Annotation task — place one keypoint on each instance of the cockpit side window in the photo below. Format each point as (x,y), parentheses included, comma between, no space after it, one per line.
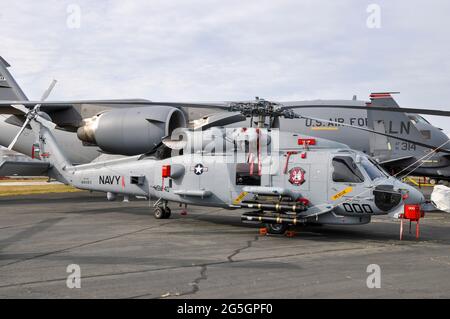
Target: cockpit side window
(346,171)
(372,169)
(426,134)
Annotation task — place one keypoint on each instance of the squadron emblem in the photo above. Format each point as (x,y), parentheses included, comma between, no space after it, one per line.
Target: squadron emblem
(296,176)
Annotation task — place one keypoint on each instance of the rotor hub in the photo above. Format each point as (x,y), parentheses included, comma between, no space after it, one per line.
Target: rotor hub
(261,109)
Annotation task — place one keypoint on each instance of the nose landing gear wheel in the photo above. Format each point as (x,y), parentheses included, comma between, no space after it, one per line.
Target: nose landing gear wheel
(277,229)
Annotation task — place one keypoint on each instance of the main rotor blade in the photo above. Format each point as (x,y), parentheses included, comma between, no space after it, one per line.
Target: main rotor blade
(222,106)
(374,108)
(13,142)
(219,119)
(226,105)
(375,132)
(30,104)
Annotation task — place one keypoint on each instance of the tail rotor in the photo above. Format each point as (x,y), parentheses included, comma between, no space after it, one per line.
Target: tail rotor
(33,113)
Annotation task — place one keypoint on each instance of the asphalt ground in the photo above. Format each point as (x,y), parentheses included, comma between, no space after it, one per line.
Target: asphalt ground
(123,252)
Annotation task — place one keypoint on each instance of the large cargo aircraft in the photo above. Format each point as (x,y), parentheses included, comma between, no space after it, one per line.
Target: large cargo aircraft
(91,129)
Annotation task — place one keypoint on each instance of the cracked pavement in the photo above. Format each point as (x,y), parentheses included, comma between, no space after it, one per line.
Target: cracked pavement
(124,252)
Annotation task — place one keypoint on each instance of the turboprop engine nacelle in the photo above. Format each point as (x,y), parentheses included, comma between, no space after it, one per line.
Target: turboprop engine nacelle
(131,131)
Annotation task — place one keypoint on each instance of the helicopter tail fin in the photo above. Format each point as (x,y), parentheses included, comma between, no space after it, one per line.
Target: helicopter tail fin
(48,150)
(9,89)
(398,124)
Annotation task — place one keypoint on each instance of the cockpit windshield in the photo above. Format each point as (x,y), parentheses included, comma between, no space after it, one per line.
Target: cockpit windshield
(417,119)
(372,169)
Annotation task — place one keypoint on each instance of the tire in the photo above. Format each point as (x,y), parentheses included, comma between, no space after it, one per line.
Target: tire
(433,181)
(167,213)
(276,229)
(159,212)
(314,224)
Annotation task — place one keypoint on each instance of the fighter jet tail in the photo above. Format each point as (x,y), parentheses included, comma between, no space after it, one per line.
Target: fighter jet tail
(9,89)
(382,147)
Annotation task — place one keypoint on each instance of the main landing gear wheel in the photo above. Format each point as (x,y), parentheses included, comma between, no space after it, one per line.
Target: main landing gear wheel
(158,212)
(161,212)
(277,229)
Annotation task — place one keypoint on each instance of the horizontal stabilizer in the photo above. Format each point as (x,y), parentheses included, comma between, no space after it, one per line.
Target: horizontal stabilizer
(23,168)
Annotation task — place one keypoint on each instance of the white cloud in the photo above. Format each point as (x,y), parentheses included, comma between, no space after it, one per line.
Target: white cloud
(224,50)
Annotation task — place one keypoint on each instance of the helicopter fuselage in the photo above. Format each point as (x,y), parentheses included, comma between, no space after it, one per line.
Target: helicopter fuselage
(315,183)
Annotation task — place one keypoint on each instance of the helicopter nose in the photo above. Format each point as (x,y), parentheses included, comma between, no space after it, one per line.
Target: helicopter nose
(387,196)
(414,195)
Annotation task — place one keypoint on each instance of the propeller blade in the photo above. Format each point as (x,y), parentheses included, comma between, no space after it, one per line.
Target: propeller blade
(375,132)
(374,108)
(42,120)
(35,111)
(48,91)
(21,108)
(13,142)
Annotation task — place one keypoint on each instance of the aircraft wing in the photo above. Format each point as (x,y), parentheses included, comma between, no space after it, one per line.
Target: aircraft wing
(23,168)
(397,160)
(55,106)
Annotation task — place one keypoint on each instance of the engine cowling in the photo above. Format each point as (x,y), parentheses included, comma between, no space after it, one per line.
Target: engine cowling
(131,131)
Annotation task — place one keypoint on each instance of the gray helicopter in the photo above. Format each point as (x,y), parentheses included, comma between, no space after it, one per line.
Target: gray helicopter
(274,177)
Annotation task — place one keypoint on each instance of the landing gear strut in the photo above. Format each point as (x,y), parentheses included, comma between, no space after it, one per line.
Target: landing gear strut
(161,210)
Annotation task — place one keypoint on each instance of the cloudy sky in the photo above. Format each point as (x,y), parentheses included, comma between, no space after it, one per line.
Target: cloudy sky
(229,50)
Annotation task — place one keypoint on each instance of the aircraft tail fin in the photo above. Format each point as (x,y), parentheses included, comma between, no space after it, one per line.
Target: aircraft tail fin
(48,149)
(9,89)
(383,99)
(398,124)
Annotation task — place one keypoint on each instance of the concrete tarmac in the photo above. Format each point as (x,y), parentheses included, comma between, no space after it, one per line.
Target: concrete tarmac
(123,252)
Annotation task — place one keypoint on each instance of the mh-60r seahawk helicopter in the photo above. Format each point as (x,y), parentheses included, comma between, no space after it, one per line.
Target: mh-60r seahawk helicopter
(278,178)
